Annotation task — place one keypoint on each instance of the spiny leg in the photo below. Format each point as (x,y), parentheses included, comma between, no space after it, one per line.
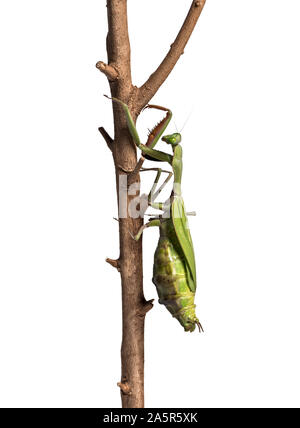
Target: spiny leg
(157,107)
(157,131)
(130,122)
(156,154)
(153,136)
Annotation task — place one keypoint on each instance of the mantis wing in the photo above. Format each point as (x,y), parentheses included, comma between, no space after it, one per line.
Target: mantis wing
(184,237)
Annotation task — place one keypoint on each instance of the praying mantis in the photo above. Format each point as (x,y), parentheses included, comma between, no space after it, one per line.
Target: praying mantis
(174,268)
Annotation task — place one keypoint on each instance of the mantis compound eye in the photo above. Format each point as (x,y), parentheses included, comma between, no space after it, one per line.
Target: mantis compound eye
(172,139)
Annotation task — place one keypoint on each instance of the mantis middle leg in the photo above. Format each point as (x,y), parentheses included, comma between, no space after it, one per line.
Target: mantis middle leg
(153,194)
(151,223)
(157,205)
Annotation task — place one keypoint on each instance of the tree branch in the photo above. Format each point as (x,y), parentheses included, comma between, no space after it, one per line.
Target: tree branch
(124,387)
(107,138)
(132,176)
(109,70)
(148,305)
(114,263)
(150,87)
(118,46)
(130,260)
(118,71)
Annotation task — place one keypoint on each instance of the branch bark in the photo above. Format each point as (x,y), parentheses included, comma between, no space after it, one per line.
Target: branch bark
(130,259)
(108,69)
(129,263)
(107,138)
(114,263)
(151,86)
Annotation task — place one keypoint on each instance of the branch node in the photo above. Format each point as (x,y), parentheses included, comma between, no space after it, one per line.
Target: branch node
(114,263)
(148,305)
(109,70)
(135,171)
(124,387)
(107,138)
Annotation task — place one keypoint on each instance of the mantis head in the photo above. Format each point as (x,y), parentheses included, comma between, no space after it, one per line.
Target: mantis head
(173,139)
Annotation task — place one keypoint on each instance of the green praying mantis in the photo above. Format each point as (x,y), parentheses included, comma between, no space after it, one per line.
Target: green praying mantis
(174,268)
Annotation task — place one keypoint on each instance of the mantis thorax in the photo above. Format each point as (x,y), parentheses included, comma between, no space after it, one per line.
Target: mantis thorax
(177,168)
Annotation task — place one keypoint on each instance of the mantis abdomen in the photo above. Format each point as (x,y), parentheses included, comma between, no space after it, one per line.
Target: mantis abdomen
(171,278)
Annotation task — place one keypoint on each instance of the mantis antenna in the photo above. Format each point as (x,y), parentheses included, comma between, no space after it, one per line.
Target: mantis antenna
(175,123)
(187,119)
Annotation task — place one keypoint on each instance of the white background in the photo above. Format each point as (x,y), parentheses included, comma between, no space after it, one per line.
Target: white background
(60,309)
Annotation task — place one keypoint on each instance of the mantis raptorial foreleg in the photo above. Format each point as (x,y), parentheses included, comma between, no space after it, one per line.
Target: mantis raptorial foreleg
(153,138)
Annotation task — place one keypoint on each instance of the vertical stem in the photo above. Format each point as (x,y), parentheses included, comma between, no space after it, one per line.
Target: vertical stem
(132,351)
(131,269)
(118,71)
(130,261)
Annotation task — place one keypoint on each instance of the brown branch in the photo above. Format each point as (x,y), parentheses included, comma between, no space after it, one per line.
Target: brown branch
(132,349)
(118,71)
(118,46)
(114,263)
(109,70)
(148,305)
(124,387)
(150,87)
(133,174)
(107,138)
